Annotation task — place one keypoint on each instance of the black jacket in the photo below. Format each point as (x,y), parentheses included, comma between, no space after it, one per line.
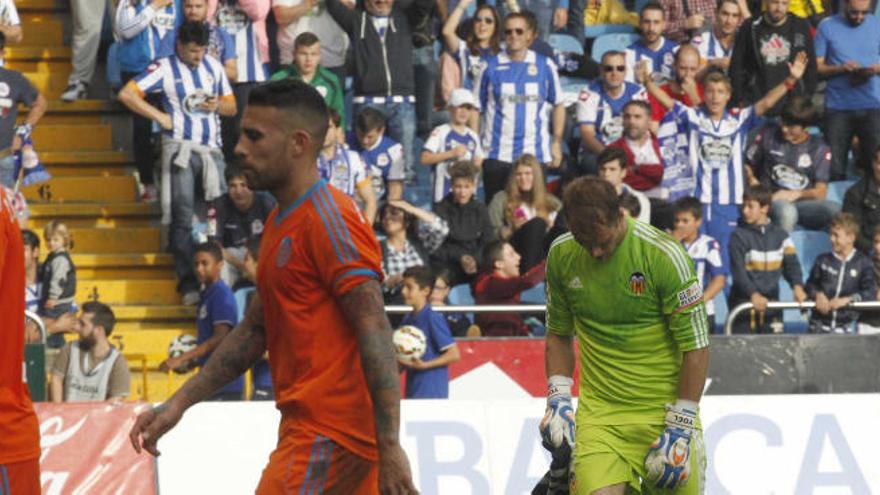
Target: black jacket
(853,278)
(381,67)
(58,272)
(863,201)
(759,255)
(470,230)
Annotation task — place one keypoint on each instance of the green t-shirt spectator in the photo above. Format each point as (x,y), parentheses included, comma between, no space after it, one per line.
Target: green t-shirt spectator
(324,81)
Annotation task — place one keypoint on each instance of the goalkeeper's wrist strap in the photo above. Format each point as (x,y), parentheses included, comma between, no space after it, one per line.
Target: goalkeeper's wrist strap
(683,414)
(559,386)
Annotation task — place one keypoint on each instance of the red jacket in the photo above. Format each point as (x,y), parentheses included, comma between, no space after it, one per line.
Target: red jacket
(640,176)
(491,288)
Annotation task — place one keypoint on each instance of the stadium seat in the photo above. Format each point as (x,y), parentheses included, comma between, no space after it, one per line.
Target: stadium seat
(720,302)
(793,320)
(241,298)
(610,42)
(460,295)
(566,43)
(837,189)
(597,30)
(114,71)
(809,244)
(535,295)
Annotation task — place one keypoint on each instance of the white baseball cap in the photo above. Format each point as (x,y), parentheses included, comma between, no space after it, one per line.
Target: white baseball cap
(461,97)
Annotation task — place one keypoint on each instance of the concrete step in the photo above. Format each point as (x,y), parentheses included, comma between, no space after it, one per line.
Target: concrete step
(153,344)
(131,292)
(94,214)
(77,112)
(73,137)
(42,6)
(62,189)
(115,240)
(50,84)
(137,266)
(38,58)
(94,163)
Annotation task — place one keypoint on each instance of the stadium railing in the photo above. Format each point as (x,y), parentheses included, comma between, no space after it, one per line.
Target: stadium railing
(486,308)
(30,315)
(728,324)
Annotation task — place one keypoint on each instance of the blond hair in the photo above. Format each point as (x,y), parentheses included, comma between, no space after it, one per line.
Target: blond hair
(54,228)
(537,198)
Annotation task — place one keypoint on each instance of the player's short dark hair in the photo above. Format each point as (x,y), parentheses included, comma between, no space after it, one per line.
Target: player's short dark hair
(233,171)
(463,169)
(421,275)
(307,38)
(102,315)
(193,32)
(759,193)
(302,103)
(211,247)
(334,117)
(631,204)
(494,251)
(731,2)
(798,110)
(29,238)
(590,200)
(610,154)
(253,247)
(652,5)
(369,119)
(527,16)
(644,105)
(690,204)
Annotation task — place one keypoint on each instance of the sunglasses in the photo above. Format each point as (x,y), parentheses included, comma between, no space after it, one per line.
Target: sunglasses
(612,68)
(516,31)
(484,20)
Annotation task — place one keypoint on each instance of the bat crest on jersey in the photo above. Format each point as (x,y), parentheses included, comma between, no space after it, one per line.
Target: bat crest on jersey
(284,251)
(637,283)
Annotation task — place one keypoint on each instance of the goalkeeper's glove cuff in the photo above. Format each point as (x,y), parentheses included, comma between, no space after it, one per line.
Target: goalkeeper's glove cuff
(24,131)
(682,416)
(559,386)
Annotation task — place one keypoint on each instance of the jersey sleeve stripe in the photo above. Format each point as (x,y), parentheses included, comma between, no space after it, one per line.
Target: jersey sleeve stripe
(329,232)
(325,467)
(315,445)
(321,204)
(347,244)
(674,250)
(700,324)
(670,253)
(355,272)
(559,240)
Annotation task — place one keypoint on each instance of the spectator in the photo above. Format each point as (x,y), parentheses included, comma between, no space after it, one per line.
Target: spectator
(295,17)
(838,278)
(470,229)
(424,25)
(58,280)
(141,26)
(596,12)
(239,216)
(458,323)
(18,91)
(427,377)
(550,15)
(382,47)
(502,284)
(452,142)
(716,46)
(848,55)
(260,374)
(483,41)
(612,168)
(600,109)
(383,156)
(703,250)
(524,211)
(863,201)
(33,288)
(684,87)
(344,169)
(413,234)
(91,369)
(658,51)
(811,10)
(519,82)
(715,138)
(869,321)
(795,166)
(220,43)
(191,141)
(10,23)
(761,253)
(644,168)
(307,67)
(764,48)
(88,22)
(630,206)
(688,20)
(217,316)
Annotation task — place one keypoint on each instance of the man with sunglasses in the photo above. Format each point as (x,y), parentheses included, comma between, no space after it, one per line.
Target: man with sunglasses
(848,54)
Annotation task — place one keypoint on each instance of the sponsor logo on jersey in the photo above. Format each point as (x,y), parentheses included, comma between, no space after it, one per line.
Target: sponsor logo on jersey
(690,295)
(284,251)
(533,70)
(637,283)
(203,312)
(575,283)
(257,227)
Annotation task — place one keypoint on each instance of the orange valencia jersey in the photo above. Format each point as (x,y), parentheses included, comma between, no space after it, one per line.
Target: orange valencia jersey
(312,254)
(19,430)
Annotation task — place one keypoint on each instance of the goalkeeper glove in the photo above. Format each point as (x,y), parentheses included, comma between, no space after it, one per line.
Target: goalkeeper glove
(558,423)
(668,460)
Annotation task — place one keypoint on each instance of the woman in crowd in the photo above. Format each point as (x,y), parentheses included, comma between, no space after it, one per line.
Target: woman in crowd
(483,41)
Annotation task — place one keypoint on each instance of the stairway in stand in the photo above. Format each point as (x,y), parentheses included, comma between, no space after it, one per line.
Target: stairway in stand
(117,251)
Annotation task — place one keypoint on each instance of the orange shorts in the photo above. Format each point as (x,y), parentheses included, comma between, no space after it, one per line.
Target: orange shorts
(20,478)
(312,463)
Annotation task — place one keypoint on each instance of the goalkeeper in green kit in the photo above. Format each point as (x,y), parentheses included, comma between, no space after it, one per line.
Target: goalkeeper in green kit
(630,295)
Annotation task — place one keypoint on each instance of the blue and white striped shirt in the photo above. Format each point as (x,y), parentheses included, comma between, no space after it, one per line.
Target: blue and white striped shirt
(706,253)
(183,88)
(596,108)
(710,48)
(236,22)
(518,98)
(660,62)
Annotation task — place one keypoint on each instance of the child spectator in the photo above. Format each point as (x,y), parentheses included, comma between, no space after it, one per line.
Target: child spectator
(454,141)
(469,226)
(629,206)
(427,377)
(458,323)
(217,315)
(344,169)
(612,168)
(760,253)
(837,278)
(703,249)
(502,284)
(260,374)
(307,67)
(58,289)
(869,321)
(382,155)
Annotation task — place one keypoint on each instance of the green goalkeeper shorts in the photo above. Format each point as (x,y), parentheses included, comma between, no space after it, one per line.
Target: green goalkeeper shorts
(609,455)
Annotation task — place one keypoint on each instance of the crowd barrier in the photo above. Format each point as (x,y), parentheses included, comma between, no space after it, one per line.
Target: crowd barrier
(799,444)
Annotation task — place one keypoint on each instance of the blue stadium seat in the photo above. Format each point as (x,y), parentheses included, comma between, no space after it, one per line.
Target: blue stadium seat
(610,42)
(809,245)
(535,295)
(720,302)
(597,30)
(791,318)
(837,189)
(460,295)
(114,70)
(241,298)
(566,43)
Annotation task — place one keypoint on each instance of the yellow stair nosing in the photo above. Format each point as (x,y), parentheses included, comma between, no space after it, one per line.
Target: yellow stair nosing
(85,157)
(32,52)
(101,210)
(154,312)
(113,260)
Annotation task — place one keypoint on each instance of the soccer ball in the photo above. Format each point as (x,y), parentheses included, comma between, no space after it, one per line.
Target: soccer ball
(179,345)
(410,343)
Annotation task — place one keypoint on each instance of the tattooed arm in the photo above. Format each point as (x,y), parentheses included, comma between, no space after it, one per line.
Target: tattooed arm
(241,348)
(365,312)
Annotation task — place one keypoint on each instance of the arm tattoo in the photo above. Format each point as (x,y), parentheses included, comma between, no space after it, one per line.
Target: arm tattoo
(365,311)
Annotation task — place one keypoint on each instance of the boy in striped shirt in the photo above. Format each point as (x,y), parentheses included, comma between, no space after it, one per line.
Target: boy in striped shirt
(703,250)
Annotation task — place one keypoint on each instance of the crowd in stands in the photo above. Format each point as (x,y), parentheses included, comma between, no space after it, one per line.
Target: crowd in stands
(723,123)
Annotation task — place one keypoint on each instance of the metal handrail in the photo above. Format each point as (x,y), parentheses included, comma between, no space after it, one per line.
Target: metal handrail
(40,324)
(487,308)
(728,324)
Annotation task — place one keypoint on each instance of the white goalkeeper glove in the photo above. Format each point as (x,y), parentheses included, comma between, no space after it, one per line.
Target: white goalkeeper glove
(668,459)
(558,423)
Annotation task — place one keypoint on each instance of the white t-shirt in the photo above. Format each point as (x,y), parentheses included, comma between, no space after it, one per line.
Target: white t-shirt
(8,13)
(334,41)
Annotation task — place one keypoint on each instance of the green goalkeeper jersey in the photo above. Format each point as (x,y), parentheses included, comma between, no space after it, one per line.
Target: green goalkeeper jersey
(634,315)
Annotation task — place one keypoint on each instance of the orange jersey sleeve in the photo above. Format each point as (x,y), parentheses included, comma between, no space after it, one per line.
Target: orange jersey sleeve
(19,431)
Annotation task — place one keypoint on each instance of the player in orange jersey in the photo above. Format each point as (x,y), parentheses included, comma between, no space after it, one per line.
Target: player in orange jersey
(19,430)
(319,313)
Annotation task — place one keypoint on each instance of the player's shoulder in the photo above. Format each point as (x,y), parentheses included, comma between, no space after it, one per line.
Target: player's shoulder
(563,246)
(660,249)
